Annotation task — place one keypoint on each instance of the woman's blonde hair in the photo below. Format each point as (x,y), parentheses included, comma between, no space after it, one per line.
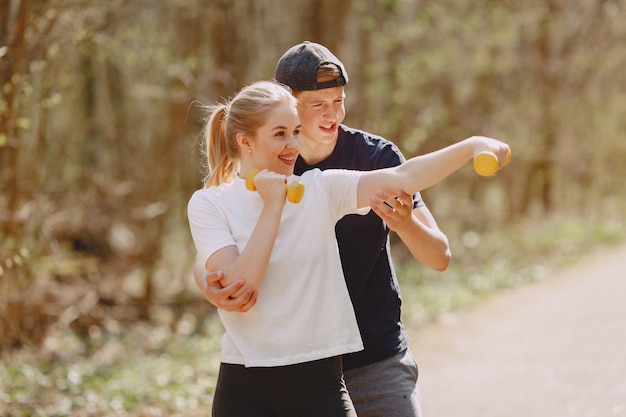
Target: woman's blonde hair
(245,113)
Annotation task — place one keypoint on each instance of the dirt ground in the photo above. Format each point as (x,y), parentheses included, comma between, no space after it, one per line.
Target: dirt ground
(555,348)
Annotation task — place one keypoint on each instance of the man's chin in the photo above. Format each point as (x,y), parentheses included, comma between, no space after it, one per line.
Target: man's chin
(328,135)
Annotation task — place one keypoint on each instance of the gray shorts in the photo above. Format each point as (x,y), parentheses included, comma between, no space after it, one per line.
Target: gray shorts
(386,388)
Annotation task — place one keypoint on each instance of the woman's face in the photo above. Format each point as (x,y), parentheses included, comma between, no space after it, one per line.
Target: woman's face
(277,144)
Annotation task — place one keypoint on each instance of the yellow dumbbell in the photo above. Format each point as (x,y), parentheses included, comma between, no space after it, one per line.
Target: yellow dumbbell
(295,189)
(486,163)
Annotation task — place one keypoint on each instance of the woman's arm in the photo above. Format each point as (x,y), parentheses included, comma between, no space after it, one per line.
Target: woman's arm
(421,172)
(238,296)
(251,264)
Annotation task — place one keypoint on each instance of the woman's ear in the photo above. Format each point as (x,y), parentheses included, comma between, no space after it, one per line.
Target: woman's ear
(244,142)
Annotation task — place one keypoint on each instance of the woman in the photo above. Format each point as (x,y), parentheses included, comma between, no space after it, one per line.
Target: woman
(283,356)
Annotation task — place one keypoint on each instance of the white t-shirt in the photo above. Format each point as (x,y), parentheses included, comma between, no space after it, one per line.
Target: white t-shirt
(303,311)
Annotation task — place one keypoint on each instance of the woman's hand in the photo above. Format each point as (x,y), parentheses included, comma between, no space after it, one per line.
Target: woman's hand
(500,149)
(234,297)
(271,187)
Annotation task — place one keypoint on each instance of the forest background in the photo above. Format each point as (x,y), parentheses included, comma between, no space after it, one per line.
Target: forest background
(100,120)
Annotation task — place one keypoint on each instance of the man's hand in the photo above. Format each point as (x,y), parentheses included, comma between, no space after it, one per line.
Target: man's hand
(394,211)
(417,228)
(235,297)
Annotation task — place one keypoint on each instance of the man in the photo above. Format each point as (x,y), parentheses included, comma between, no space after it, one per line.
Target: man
(381,379)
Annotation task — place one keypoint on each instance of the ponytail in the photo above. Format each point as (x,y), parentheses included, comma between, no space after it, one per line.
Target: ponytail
(222,162)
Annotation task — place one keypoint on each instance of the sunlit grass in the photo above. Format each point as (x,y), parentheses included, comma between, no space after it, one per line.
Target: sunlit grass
(484,263)
(140,369)
(122,375)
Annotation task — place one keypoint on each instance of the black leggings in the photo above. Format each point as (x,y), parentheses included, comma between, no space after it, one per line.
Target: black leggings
(310,389)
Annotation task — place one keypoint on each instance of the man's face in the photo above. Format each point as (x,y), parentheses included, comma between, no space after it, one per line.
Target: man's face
(321,112)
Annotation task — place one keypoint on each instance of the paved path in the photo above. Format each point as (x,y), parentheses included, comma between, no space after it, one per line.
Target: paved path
(555,348)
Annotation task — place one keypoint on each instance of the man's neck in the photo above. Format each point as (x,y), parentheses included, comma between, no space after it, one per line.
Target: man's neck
(313,152)
(316,153)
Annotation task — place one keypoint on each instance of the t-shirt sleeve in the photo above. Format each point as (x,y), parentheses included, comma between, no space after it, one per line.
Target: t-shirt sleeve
(208,225)
(341,186)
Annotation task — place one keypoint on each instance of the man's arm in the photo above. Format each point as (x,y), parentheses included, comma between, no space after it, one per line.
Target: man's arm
(416,228)
(224,297)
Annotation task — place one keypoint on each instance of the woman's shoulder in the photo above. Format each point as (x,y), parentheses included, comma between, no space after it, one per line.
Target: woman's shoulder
(329,180)
(214,193)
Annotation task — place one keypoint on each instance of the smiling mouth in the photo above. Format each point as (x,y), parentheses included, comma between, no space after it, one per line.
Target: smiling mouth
(328,127)
(288,159)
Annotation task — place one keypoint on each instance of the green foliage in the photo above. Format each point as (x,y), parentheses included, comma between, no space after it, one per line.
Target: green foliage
(99,153)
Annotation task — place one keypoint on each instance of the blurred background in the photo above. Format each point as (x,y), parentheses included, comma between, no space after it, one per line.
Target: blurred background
(100,120)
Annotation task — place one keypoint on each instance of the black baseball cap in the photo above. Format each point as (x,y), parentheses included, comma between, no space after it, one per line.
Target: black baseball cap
(297,68)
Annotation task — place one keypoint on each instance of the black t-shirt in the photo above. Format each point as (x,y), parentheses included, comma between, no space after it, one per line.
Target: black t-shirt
(364,249)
